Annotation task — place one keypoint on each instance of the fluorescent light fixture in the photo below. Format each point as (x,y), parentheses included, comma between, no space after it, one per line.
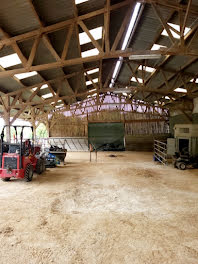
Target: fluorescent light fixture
(180,90)
(133,79)
(131,25)
(177,27)
(96,33)
(10,60)
(146,68)
(192,80)
(77,2)
(25,75)
(157,47)
(126,40)
(42,87)
(145,57)
(121,90)
(94,94)
(167,97)
(118,64)
(94,80)
(125,94)
(91,52)
(92,71)
(45,96)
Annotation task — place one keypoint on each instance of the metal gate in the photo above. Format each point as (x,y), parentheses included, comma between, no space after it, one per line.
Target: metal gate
(69,143)
(160,151)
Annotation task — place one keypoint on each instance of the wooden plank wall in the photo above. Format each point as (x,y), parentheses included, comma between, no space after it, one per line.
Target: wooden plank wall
(140,129)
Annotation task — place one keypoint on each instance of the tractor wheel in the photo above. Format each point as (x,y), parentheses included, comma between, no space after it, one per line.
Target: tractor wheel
(182,166)
(39,166)
(43,164)
(28,173)
(5,179)
(175,164)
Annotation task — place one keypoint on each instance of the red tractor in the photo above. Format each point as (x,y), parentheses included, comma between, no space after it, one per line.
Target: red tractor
(21,158)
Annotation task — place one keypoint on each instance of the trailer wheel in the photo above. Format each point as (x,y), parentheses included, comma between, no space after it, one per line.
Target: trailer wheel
(43,166)
(175,164)
(5,179)
(28,173)
(182,166)
(39,166)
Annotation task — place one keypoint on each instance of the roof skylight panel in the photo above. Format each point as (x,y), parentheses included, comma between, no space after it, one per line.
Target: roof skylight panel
(44,86)
(77,2)
(180,90)
(177,27)
(157,47)
(196,80)
(96,33)
(10,60)
(90,82)
(92,71)
(24,75)
(133,79)
(146,68)
(89,53)
(46,96)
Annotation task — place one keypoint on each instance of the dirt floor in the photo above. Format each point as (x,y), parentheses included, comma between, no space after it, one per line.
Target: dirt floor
(124,209)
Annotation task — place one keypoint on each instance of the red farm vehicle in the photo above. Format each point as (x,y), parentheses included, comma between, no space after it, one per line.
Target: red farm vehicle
(21,158)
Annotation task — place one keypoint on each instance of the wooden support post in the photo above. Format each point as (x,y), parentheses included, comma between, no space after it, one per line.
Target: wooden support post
(34,128)
(6,118)
(47,124)
(33,121)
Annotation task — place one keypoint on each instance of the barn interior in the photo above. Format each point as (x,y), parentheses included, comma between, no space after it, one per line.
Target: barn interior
(112,87)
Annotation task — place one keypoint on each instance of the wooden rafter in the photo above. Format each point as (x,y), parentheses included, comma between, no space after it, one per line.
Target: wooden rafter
(60,25)
(186,17)
(33,52)
(86,30)
(23,59)
(24,106)
(67,42)
(122,28)
(107,25)
(186,37)
(84,94)
(163,22)
(93,83)
(110,55)
(173,5)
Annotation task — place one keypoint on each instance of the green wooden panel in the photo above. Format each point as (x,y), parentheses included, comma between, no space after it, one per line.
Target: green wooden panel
(106,136)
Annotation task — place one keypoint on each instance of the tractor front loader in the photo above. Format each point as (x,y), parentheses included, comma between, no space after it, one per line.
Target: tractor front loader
(21,158)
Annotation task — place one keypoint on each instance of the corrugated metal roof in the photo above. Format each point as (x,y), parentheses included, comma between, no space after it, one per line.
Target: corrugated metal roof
(17,17)
(9,84)
(51,11)
(90,6)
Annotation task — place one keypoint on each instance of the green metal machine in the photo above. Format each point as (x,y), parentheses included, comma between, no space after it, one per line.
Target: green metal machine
(184,146)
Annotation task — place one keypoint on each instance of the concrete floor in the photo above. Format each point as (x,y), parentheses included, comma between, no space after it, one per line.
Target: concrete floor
(123,209)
